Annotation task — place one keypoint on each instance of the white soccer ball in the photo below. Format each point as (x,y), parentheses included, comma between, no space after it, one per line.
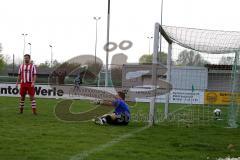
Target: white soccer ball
(97,102)
(217,112)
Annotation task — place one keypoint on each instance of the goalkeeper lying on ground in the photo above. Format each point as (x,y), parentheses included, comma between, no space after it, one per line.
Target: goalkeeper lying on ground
(121,114)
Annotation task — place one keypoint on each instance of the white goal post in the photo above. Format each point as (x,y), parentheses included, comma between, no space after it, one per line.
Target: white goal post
(156,45)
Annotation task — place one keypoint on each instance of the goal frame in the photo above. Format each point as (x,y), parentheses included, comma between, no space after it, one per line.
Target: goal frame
(159,32)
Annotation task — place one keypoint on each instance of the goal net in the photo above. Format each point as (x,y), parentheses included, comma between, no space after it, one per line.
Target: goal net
(203,69)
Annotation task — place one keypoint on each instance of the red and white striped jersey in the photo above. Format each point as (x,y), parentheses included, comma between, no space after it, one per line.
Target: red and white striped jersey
(27,71)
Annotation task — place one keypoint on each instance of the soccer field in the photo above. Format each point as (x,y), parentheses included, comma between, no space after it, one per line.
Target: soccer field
(43,137)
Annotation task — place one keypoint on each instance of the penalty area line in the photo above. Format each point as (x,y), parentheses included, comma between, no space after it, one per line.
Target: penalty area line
(99,148)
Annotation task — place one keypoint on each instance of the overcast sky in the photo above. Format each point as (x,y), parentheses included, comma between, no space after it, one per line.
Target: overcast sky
(69,26)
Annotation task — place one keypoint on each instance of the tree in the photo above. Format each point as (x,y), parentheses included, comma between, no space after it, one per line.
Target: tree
(226,60)
(190,58)
(2,62)
(94,68)
(0,47)
(147,58)
(56,64)
(116,76)
(46,64)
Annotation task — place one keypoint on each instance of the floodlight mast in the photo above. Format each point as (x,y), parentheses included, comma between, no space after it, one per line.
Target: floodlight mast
(160,51)
(108,37)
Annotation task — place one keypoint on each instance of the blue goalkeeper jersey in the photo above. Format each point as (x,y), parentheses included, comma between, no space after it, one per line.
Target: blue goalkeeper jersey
(121,107)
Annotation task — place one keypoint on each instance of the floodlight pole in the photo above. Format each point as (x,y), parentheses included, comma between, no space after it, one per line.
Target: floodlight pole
(13,66)
(96,38)
(30,48)
(160,41)
(149,44)
(51,63)
(24,42)
(107,51)
(161,12)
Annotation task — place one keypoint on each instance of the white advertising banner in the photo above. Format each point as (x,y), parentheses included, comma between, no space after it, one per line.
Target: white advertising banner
(181,97)
(45,91)
(41,91)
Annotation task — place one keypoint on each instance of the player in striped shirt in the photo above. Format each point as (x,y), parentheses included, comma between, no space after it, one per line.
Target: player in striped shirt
(27,77)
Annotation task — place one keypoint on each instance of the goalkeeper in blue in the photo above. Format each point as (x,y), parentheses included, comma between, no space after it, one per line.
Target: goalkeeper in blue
(121,114)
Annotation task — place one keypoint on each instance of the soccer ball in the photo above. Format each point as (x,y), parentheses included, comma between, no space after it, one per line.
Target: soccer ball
(217,113)
(97,102)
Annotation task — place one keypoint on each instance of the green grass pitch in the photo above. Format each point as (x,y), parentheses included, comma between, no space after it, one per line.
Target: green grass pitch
(190,134)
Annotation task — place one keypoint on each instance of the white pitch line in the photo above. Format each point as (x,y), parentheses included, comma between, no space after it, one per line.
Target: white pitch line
(85,154)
